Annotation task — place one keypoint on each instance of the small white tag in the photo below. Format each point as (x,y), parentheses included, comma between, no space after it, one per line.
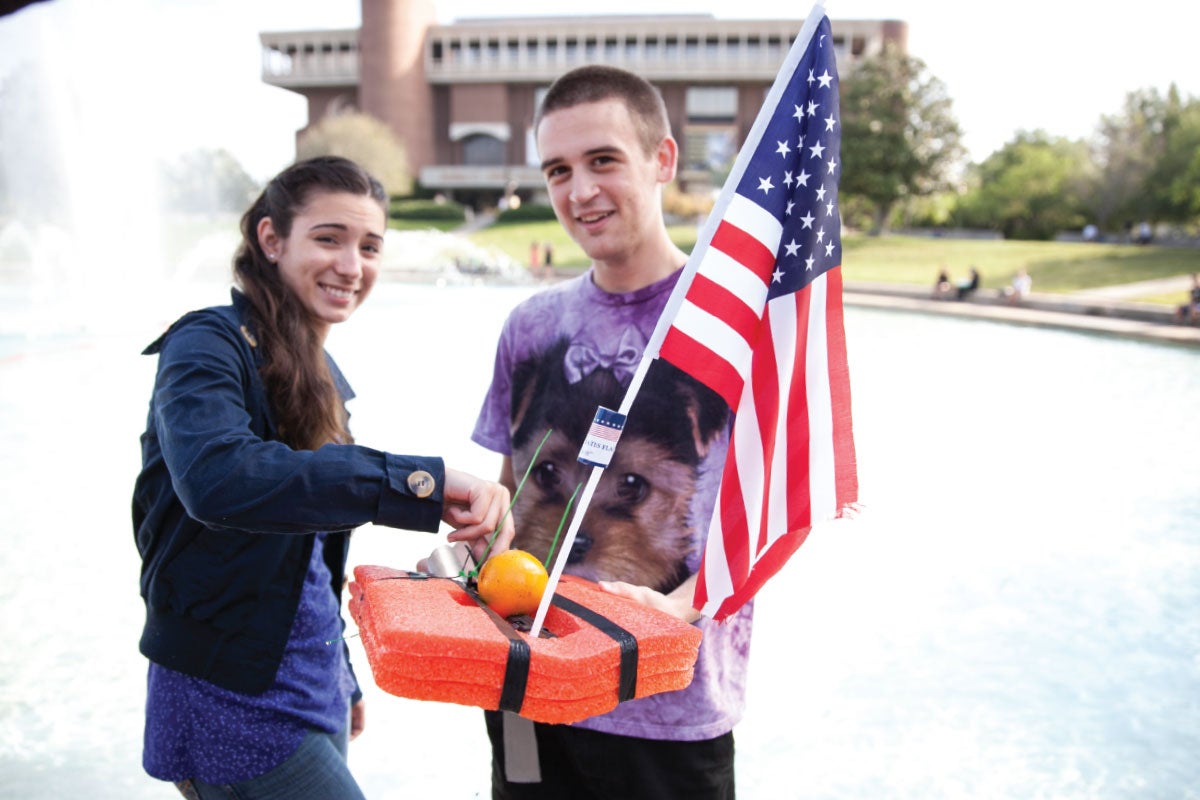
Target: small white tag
(521,764)
(602,437)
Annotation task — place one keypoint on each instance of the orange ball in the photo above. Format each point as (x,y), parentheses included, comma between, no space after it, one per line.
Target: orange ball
(512,583)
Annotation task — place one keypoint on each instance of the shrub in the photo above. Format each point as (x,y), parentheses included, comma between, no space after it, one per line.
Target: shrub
(532,212)
(427,210)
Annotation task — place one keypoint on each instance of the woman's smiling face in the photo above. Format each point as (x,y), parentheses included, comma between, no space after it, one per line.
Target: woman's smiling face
(330,258)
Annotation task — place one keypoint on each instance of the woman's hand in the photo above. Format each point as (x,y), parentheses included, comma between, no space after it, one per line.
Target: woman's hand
(678,603)
(474,508)
(358,719)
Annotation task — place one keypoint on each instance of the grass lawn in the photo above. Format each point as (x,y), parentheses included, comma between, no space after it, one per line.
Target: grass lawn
(1054,266)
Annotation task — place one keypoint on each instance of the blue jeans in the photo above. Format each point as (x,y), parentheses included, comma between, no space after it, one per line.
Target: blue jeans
(316,771)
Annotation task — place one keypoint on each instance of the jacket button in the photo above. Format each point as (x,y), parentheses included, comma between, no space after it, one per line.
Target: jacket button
(420,483)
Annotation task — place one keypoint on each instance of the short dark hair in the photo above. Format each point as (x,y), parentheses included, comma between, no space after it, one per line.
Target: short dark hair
(596,82)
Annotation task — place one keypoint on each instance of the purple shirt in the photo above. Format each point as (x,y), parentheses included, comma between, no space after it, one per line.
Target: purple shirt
(610,331)
(195,729)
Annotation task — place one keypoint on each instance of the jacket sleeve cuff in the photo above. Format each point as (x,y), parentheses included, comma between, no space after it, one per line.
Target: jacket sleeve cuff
(413,493)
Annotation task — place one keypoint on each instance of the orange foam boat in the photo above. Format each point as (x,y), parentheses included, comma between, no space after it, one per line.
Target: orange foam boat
(427,638)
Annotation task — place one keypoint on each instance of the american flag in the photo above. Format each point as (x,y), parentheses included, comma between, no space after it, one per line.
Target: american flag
(760,322)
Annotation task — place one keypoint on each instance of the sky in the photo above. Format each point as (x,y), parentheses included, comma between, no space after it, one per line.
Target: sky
(161,77)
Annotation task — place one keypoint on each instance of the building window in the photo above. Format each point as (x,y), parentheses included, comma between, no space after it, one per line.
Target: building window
(481,150)
(775,48)
(709,148)
(712,103)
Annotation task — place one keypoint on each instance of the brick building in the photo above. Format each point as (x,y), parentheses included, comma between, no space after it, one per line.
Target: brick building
(461,96)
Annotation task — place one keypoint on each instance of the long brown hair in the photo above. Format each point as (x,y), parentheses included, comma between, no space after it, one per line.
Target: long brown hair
(309,412)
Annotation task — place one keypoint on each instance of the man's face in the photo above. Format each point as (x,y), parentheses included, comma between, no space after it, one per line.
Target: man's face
(604,187)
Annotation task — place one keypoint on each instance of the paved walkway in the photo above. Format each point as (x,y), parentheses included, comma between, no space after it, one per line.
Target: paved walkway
(1103,315)
(1178,284)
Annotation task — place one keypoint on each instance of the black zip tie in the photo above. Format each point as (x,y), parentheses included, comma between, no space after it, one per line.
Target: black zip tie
(627,683)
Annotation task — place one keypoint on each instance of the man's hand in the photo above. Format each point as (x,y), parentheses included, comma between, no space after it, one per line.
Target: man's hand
(678,603)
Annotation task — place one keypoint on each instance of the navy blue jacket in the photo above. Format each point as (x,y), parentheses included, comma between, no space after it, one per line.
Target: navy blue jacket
(224,514)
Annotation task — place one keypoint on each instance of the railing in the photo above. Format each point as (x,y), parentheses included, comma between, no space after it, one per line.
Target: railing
(310,58)
(493,177)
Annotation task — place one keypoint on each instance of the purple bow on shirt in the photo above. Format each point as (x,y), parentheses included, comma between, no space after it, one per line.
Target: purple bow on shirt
(583,358)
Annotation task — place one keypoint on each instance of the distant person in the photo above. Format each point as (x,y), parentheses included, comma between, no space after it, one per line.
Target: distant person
(1091,233)
(1021,286)
(535,257)
(248,488)
(942,288)
(1145,234)
(968,287)
(1189,312)
(547,260)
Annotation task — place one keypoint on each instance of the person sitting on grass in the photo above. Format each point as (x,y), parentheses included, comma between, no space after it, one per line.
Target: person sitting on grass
(1189,312)
(942,287)
(967,288)
(1022,284)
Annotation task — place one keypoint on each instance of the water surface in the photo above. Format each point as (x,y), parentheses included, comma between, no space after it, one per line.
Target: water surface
(1015,614)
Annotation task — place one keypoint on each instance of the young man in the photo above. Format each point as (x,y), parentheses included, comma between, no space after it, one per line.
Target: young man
(606,152)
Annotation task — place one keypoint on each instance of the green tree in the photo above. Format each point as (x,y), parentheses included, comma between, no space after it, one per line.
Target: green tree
(207,181)
(1128,145)
(361,138)
(1032,188)
(899,135)
(1174,182)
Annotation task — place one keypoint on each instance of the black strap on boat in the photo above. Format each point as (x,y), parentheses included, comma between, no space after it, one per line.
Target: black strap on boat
(627,683)
(516,668)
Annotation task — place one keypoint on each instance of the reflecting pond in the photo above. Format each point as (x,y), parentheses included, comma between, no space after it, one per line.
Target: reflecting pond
(1014,614)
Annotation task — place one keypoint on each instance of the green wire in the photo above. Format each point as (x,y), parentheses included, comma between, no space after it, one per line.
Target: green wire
(475,572)
(561,522)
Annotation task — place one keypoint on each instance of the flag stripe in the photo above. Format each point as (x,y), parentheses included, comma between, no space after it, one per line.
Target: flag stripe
(713,370)
(823,497)
(839,390)
(760,225)
(786,479)
(722,302)
(745,251)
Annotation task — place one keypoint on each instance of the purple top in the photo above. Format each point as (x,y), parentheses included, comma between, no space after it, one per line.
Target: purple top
(195,729)
(608,332)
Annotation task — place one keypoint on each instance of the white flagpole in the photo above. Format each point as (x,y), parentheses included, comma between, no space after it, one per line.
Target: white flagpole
(674,302)
(560,561)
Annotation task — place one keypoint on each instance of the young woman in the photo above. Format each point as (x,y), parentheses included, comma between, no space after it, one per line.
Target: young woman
(250,484)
